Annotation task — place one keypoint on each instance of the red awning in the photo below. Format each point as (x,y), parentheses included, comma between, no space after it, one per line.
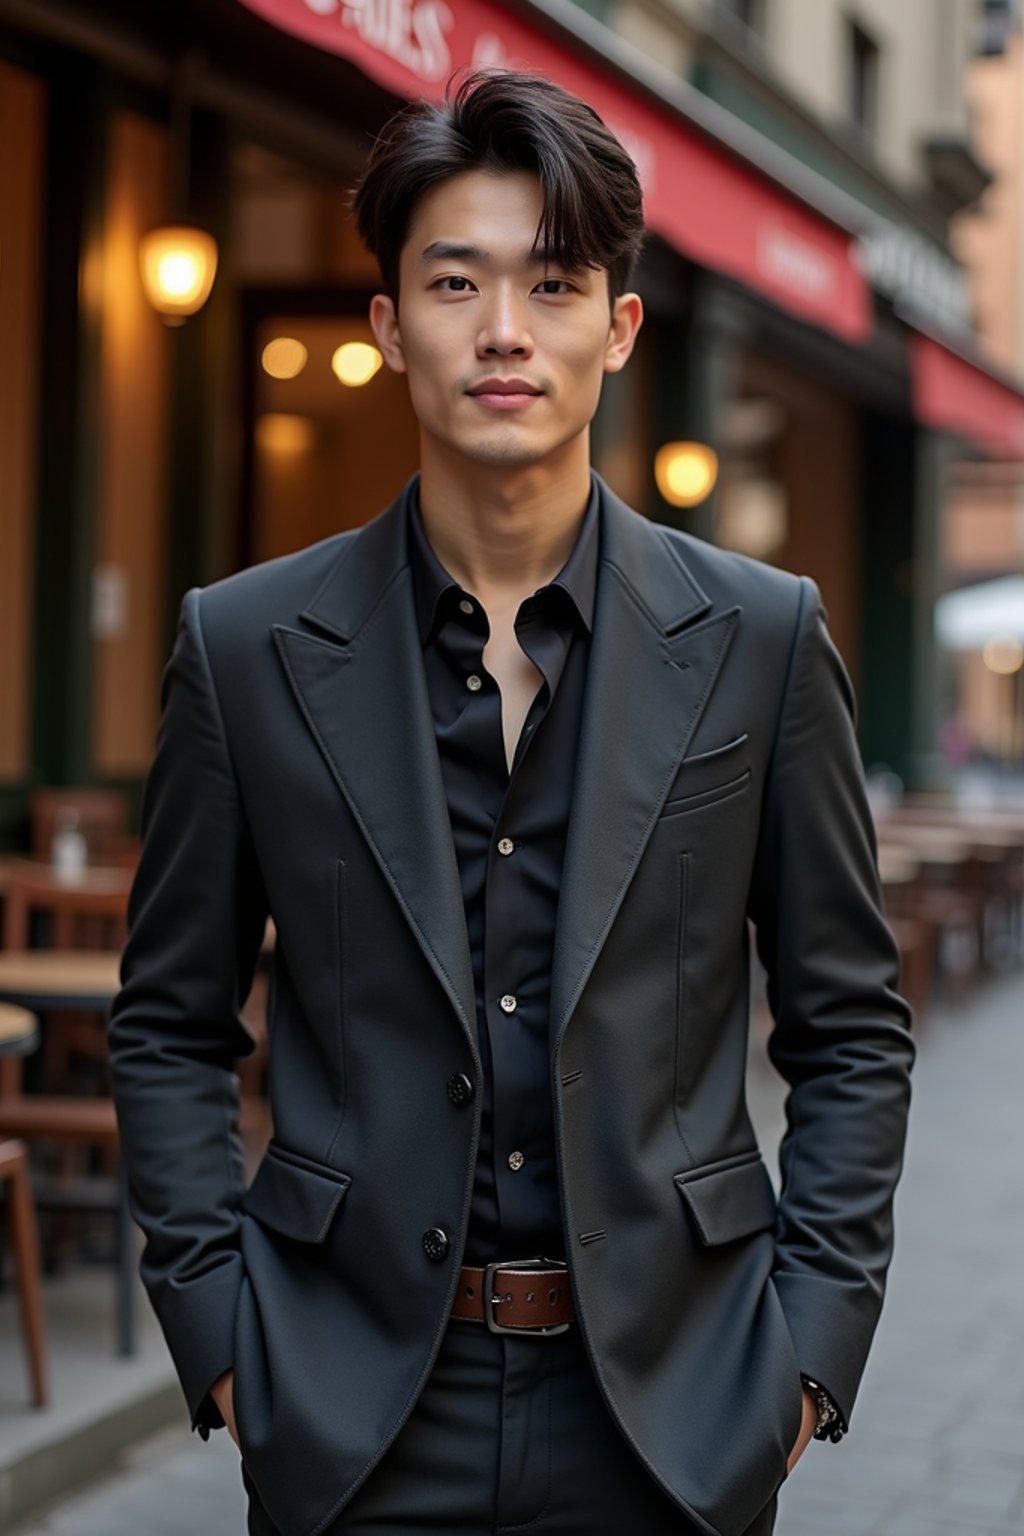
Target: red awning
(699,196)
(953,394)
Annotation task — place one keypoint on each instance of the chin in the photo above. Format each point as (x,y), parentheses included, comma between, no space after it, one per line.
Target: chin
(509,458)
(504,453)
(515,446)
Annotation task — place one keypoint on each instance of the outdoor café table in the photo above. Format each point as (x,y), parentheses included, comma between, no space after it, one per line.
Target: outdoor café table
(19,1031)
(19,1036)
(59,978)
(94,877)
(42,979)
(897,865)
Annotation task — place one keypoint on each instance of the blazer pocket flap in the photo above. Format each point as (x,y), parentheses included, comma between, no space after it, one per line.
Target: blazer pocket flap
(729,1202)
(295,1195)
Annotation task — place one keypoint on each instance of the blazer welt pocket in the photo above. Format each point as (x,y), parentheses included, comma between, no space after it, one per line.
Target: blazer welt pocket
(728,1199)
(295,1195)
(722,790)
(717,755)
(708,776)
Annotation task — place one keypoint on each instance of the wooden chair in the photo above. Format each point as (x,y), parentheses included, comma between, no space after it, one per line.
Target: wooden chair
(18,1035)
(85,913)
(90,913)
(14,1175)
(72,1113)
(916,945)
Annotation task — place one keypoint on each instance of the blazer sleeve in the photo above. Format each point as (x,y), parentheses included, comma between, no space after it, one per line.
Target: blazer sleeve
(840,1036)
(196,917)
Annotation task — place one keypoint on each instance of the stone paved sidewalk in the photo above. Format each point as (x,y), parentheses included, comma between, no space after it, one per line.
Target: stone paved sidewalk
(936,1444)
(936,1441)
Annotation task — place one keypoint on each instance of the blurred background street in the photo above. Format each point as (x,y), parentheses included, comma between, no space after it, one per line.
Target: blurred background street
(829,378)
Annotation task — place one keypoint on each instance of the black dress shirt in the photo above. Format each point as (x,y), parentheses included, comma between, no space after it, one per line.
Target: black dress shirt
(509,833)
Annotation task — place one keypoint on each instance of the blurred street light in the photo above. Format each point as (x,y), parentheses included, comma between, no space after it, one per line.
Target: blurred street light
(355,363)
(685,472)
(284,357)
(1003,654)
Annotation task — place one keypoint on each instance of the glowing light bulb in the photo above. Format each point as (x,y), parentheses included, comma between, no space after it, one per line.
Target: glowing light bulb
(355,363)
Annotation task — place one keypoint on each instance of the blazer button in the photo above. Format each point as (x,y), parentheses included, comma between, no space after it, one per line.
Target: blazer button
(460,1089)
(435,1244)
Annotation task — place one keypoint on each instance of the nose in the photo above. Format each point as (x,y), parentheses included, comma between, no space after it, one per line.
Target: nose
(504,325)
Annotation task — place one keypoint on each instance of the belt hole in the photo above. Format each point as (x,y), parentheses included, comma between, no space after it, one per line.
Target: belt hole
(530,1295)
(553,1294)
(470,1291)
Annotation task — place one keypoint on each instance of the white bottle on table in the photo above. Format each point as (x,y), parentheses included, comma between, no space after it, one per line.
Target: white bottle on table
(68,852)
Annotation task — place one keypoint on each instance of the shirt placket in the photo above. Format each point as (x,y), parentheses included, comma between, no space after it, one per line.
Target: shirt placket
(516,994)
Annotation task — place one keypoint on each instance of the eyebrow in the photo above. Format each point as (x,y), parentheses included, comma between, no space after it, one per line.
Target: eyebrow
(456,250)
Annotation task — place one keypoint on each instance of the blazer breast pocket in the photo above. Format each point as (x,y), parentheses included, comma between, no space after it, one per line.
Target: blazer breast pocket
(707,777)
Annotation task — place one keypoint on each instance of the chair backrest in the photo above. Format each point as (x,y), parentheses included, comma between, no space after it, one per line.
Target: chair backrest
(102,817)
(91,913)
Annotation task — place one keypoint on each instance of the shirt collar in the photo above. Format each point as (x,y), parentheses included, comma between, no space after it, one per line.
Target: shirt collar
(431,581)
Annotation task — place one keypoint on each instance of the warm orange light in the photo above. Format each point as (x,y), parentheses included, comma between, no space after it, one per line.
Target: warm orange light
(278,432)
(178,265)
(1004,654)
(355,363)
(284,357)
(685,472)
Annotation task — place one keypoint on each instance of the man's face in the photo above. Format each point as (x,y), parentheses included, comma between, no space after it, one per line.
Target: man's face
(476,306)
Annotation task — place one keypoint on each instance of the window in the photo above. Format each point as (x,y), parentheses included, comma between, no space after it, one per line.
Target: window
(994,22)
(863,78)
(749,13)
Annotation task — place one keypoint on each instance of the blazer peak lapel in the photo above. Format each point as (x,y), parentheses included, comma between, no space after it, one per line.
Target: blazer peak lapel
(651,671)
(365,700)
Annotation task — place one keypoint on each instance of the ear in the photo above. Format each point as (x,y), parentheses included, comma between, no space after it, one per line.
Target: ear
(384,322)
(627,318)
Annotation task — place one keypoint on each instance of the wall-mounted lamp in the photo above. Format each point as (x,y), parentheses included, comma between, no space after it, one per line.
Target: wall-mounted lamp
(179,263)
(179,260)
(685,472)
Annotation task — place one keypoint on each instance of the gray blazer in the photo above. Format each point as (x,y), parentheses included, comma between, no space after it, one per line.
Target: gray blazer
(296,773)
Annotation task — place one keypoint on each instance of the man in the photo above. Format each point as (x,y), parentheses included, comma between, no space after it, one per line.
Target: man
(511,767)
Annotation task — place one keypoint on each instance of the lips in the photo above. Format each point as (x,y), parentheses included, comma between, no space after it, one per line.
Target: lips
(504,387)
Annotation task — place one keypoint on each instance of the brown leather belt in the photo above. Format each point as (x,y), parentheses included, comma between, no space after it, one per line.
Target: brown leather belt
(531,1296)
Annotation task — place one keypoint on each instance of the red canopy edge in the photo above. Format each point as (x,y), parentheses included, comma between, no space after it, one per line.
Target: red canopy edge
(953,394)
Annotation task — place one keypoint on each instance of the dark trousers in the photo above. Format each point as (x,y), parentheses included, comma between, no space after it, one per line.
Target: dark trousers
(508,1435)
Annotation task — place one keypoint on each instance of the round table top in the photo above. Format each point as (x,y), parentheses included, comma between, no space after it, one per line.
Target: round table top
(93,879)
(59,978)
(897,866)
(19,1030)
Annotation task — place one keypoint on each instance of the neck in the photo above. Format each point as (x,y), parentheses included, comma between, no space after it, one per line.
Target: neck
(499,530)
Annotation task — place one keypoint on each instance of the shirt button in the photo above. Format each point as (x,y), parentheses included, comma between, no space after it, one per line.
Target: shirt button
(516,1161)
(505,845)
(466,605)
(508,1002)
(473,682)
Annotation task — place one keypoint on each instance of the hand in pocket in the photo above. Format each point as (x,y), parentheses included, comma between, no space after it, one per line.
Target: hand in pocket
(222,1393)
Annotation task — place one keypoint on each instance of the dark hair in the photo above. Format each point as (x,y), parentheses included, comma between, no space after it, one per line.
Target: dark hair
(505,120)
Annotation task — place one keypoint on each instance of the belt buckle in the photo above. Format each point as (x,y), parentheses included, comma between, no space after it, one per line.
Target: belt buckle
(535,1330)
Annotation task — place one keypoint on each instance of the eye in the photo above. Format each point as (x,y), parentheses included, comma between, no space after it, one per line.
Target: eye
(454,278)
(556,280)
